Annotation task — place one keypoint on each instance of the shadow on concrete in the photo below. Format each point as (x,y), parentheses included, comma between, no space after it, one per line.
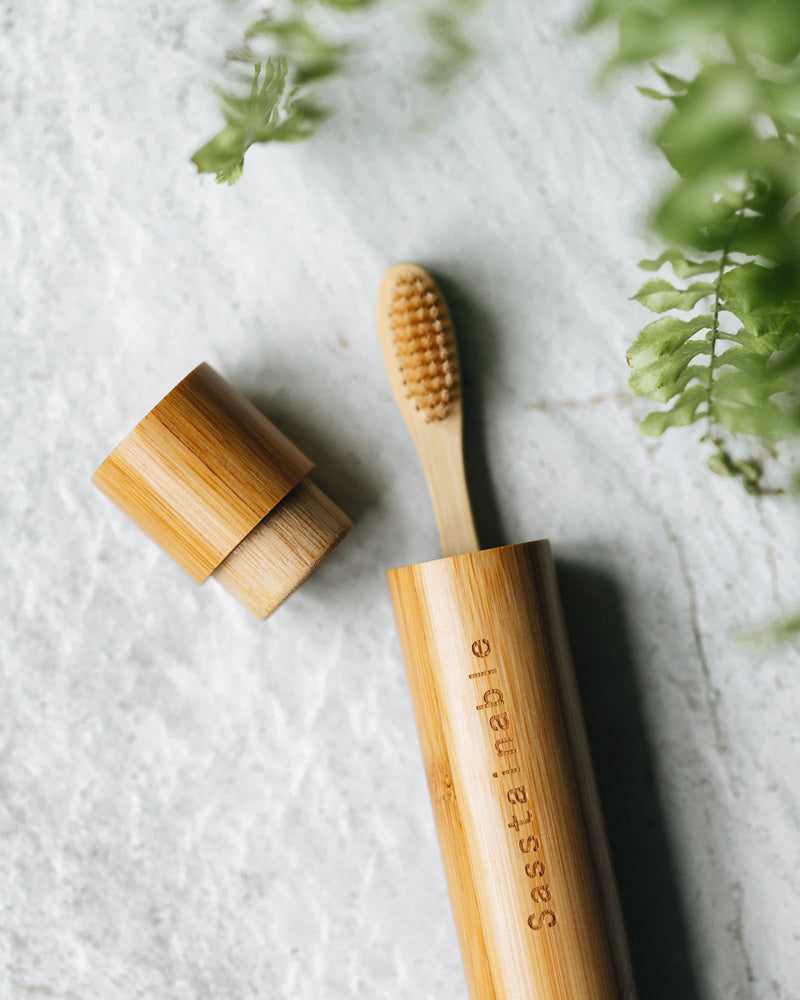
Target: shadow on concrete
(333,468)
(624,766)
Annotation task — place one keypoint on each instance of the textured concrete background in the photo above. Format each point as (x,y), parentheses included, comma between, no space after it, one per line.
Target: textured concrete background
(197,805)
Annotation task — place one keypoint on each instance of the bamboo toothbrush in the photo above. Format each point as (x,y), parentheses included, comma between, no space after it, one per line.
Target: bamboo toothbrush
(497,709)
(419,348)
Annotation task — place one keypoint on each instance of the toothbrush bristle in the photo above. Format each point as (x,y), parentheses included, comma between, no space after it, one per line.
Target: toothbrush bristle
(425,344)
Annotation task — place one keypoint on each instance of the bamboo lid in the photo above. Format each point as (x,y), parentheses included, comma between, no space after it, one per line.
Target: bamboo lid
(205,469)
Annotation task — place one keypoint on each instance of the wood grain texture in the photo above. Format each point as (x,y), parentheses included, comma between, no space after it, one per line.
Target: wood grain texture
(283,550)
(435,429)
(535,906)
(201,470)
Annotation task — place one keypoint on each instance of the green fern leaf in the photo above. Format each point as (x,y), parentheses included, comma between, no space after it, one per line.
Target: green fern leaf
(663,336)
(749,362)
(681,265)
(681,414)
(739,416)
(670,374)
(665,379)
(655,95)
(746,288)
(766,344)
(659,295)
(675,83)
(750,387)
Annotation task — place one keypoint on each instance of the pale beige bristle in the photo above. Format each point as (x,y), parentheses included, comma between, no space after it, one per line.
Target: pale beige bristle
(425,345)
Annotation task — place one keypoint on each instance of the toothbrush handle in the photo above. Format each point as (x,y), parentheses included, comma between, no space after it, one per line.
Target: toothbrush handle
(513,793)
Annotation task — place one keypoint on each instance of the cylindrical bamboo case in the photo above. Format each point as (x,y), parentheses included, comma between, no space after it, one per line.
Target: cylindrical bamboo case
(507,761)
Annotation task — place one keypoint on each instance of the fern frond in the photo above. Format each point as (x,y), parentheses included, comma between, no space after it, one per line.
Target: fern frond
(745,388)
(731,132)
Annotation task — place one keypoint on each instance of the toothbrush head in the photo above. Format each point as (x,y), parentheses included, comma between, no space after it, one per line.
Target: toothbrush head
(417,328)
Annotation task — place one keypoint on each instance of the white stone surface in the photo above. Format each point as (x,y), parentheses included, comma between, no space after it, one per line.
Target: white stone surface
(197,805)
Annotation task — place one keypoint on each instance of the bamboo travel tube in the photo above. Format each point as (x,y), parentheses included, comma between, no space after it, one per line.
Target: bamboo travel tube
(213,482)
(494,693)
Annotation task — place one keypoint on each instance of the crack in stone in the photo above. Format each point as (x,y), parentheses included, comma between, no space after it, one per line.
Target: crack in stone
(545,405)
(772,563)
(712,692)
(737,929)
(772,569)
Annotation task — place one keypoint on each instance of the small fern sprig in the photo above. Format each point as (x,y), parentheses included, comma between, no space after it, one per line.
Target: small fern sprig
(277,74)
(280,59)
(270,112)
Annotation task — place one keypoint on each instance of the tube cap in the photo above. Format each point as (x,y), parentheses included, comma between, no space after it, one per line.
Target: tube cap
(206,472)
